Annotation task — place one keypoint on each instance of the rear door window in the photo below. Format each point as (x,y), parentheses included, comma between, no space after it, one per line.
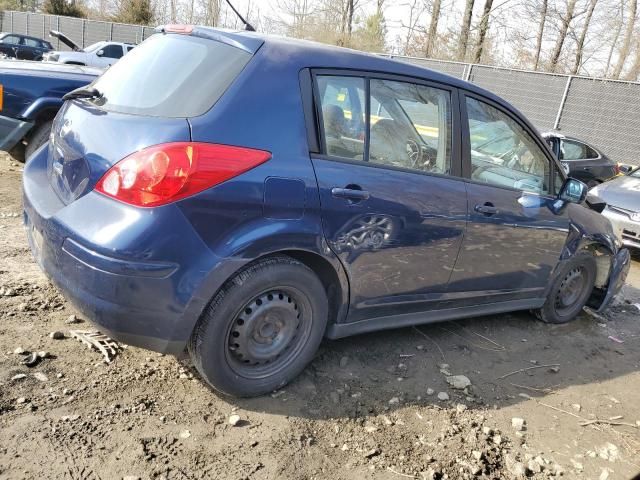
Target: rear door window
(410,124)
(171,75)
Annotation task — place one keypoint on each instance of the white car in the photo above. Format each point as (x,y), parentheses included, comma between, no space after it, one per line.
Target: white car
(100,54)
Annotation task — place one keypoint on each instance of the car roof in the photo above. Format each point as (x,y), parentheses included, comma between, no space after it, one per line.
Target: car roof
(2,34)
(309,54)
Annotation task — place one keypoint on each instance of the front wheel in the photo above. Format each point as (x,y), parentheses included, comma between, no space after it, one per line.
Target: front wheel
(570,290)
(261,329)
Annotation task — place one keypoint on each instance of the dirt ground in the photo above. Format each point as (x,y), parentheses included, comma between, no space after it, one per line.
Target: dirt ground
(368,407)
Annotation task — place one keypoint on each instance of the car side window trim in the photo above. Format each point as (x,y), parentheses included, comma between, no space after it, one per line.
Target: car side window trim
(465,154)
(456,157)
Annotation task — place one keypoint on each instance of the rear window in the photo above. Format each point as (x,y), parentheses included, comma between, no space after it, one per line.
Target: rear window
(171,76)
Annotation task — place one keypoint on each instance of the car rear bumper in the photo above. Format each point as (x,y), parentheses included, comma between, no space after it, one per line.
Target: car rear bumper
(12,131)
(142,275)
(617,277)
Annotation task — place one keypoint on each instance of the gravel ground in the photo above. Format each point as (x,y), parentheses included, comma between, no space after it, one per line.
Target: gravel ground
(542,401)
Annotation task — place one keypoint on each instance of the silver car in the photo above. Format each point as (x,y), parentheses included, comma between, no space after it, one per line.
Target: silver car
(622,196)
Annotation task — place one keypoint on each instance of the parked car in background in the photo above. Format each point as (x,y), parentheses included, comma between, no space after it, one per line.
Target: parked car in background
(30,96)
(622,196)
(582,161)
(302,190)
(99,54)
(23,47)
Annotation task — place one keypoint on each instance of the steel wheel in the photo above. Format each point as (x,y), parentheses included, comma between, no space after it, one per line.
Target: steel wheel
(268,332)
(571,290)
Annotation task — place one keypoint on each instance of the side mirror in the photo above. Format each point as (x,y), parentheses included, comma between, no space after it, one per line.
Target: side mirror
(573,191)
(100,53)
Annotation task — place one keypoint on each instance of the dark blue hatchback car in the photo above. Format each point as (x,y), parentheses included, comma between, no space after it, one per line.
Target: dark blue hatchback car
(241,196)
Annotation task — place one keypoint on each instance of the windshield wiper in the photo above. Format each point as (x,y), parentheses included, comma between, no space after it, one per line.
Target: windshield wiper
(83,92)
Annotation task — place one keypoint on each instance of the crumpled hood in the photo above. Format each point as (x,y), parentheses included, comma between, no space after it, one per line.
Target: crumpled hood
(622,192)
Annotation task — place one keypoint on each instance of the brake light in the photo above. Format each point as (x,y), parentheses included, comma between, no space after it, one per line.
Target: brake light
(179,28)
(168,172)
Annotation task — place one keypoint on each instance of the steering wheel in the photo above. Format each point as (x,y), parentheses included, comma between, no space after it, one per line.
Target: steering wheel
(414,152)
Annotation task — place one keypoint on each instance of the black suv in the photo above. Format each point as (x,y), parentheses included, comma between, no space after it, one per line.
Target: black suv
(23,47)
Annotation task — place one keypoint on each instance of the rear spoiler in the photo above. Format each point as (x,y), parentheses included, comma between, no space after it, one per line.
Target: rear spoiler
(64,39)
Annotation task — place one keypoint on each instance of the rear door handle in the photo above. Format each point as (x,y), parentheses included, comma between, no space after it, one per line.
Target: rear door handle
(350,193)
(486,209)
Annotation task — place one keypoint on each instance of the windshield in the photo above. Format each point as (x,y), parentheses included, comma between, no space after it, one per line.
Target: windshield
(171,76)
(93,47)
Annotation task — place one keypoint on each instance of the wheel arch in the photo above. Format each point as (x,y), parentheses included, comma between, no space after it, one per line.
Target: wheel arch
(325,265)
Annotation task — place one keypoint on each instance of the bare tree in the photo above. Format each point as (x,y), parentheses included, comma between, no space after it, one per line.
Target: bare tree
(565,23)
(463,39)
(541,24)
(432,35)
(628,36)
(583,35)
(416,9)
(616,36)
(484,28)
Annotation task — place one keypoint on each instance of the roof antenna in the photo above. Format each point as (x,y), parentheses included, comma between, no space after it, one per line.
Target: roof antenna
(247,25)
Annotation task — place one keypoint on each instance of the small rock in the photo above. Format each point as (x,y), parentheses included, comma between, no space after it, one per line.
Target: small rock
(430,391)
(487,430)
(576,406)
(476,454)
(41,377)
(234,420)
(19,351)
(59,375)
(461,407)
(609,452)
(19,376)
(344,361)
(370,429)
(43,354)
(185,434)
(497,439)
(21,400)
(518,424)
(394,401)
(372,453)
(604,475)
(443,396)
(459,382)
(577,465)
(72,319)
(554,369)
(57,335)
(534,466)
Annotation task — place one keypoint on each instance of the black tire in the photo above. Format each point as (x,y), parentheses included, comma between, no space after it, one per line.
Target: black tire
(39,137)
(570,290)
(261,329)
(17,152)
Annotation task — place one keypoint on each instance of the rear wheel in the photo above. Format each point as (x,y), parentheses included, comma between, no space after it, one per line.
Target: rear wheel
(570,290)
(261,329)
(39,137)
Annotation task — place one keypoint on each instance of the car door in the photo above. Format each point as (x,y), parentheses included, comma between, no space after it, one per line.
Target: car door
(393,209)
(515,235)
(11,45)
(30,49)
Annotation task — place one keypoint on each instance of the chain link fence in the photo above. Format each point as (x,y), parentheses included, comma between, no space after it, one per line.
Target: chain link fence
(605,113)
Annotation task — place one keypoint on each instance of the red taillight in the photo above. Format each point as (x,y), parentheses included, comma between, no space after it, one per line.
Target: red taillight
(616,170)
(168,172)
